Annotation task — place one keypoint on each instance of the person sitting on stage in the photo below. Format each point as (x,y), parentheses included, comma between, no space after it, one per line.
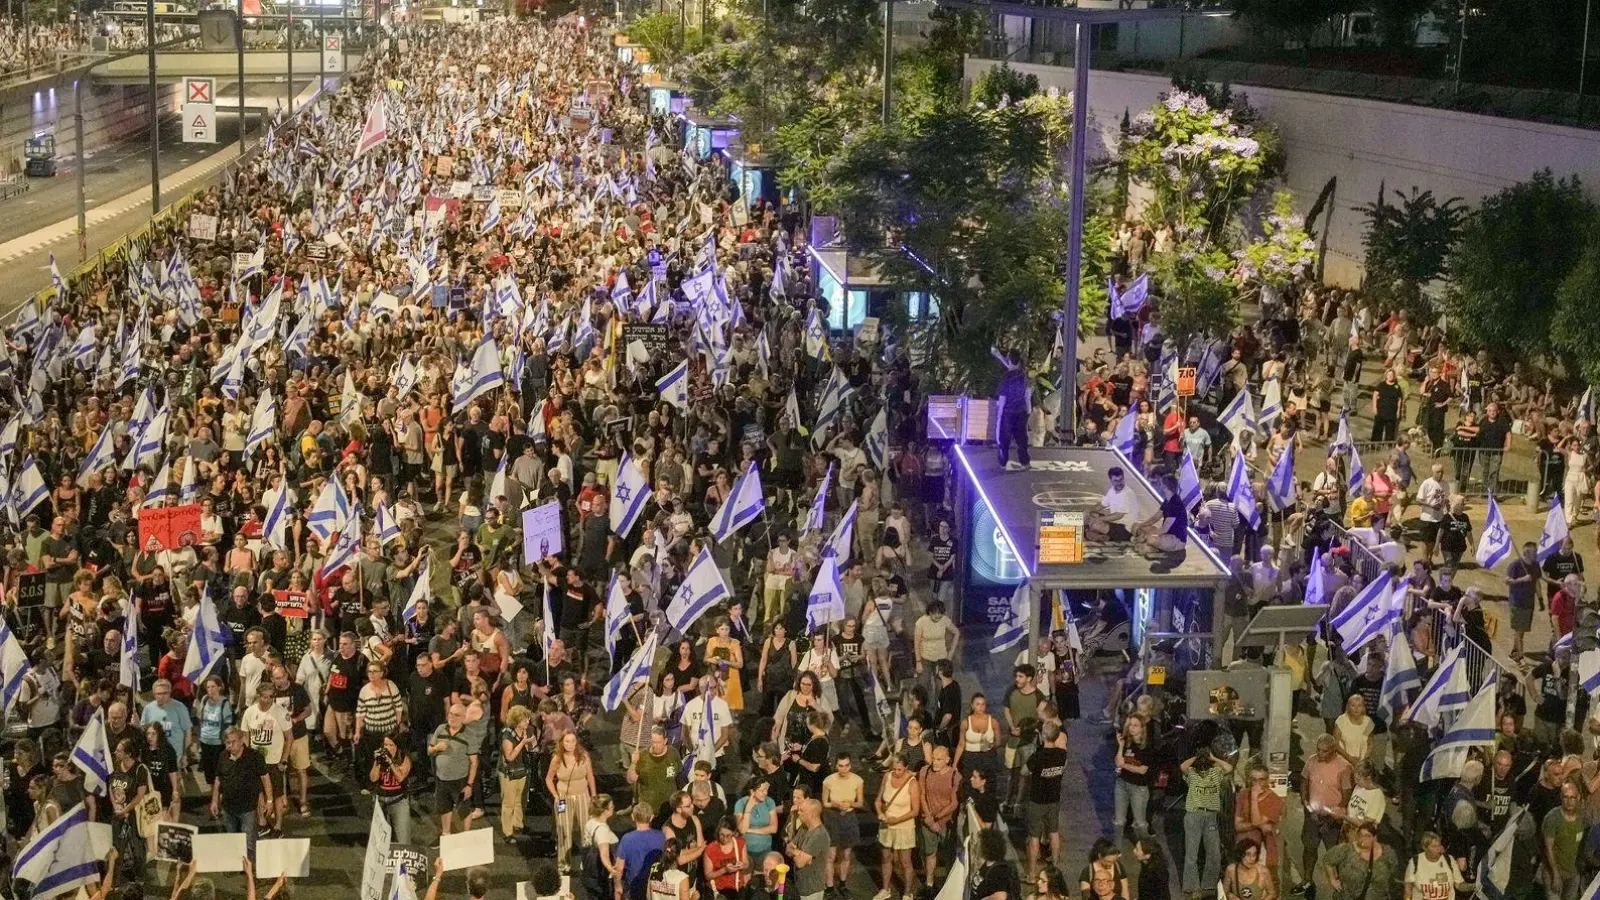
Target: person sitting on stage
(1121,512)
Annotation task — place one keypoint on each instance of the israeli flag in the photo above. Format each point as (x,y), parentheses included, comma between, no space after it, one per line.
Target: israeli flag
(263,422)
(702,588)
(584,338)
(160,486)
(331,511)
(491,216)
(1210,367)
(102,456)
(817,514)
(276,528)
(1316,580)
(764,353)
(1368,615)
(548,623)
(791,408)
(1358,475)
(83,349)
(1271,404)
(877,443)
(256,264)
(128,665)
(421,590)
(816,336)
(1018,622)
(298,343)
(1342,441)
(484,375)
(825,603)
(1474,728)
(29,322)
(8,435)
(1494,870)
(345,547)
(705,738)
(147,448)
(1494,544)
(617,615)
(635,670)
(843,537)
(1189,490)
(384,525)
(498,484)
(29,491)
(1446,692)
(1239,417)
(61,858)
(628,496)
(1167,365)
(742,507)
(1282,490)
(1586,411)
(1132,300)
(1400,676)
(1554,531)
(1240,492)
(92,755)
(833,394)
(674,386)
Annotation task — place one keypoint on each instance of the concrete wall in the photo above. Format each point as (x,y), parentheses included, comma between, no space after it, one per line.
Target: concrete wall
(111,113)
(1364,143)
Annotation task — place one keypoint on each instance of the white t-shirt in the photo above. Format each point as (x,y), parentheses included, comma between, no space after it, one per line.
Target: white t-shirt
(1355,738)
(251,669)
(1367,804)
(1432,880)
(1127,506)
(695,712)
(598,834)
(268,730)
(666,887)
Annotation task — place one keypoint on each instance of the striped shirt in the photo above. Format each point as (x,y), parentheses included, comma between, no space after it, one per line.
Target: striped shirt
(1223,520)
(1205,789)
(379,712)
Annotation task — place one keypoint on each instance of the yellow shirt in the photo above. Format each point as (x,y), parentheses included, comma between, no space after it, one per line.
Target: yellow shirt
(1361,513)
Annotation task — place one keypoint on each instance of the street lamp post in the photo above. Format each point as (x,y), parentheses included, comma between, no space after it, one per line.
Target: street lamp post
(291,58)
(888,58)
(240,45)
(155,108)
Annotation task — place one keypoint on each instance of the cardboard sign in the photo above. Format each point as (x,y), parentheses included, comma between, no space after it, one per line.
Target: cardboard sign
(653,337)
(444,166)
(317,250)
(241,261)
(292,604)
(283,856)
(203,227)
(867,332)
(1186,381)
(169,527)
(30,590)
(175,841)
(510,198)
(541,532)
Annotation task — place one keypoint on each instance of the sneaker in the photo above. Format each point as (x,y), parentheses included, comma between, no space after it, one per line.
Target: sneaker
(1013,466)
(884,894)
(1301,890)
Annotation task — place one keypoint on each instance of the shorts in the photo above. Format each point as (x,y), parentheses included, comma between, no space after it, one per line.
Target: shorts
(875,639)
(300,753)
(1428,531)
(1042,818)
(1018,756)
(447,794)
(54,591)
(1522,619)
(930,842)
(898,837)
(844,829)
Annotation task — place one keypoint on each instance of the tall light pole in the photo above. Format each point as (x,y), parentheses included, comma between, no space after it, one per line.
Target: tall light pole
(888,59)
(240,45)
(155,108)
(291,57)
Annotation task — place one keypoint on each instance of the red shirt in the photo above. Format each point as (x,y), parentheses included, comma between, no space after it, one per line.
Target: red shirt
(1564,609)
(1173,429)
(720,857)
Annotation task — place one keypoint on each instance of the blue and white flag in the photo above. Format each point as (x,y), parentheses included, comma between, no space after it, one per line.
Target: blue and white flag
(147,449)
(1239,417)
(1358,475)
(263,422)
(1126,435)
(1368,615)
(421,591)
(29,491)
(484,375)
(276,528)
(61,858)
(1271,403)
(1473,728)
(13,667)
(1167,366)
(345,547)
(384,525)
(1240,491)
(743,505)
(843,537)
(1446,692)
(705,736)
(635,670)
(29,322)
(877,443)
(816,336)
(628,496)
(702,588)
(82,352)
(499,485)
(617,615)
(1589,671)
(1282,489)
(1189,490)
(405,378)
(1342,441)
(674,386)
(1586,410)
(1494,870)
(833,394)
(1400,676)
(1554,531)
(825,603)
(128,665)
(1494,544)
(1131,300)
(1018,622)
(491,216)
(816,516)
(331,511)
(102,456)
(1316,580)
(92,755)
(160,486)
(548,623)
(56,281)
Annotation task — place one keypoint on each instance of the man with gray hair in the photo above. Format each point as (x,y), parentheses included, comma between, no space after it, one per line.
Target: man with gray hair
(809,851)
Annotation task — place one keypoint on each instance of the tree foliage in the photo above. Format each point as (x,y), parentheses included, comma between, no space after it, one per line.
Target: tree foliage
(1285,254)
(1003,84)
(1197,296)
(1513,254)
(1408,244)
(1573,329)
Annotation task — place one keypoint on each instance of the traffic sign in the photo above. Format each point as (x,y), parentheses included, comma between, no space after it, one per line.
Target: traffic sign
(199,110)
(333,54)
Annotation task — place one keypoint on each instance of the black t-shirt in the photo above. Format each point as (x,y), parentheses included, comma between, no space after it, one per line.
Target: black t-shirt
(241,780)
(948,703)
(1454,532)
(1046,765)
(1139,756)
(1559,565)
(942,550)
(161,762)
(344,682)
(295,702)
(1492,434)
(61,572)
(1552,705)
(987,807)
(472,457)
(1388,400)
(1173,508)
(238,620)
(155,602)
(427,697)
(995,878)
(1352,365)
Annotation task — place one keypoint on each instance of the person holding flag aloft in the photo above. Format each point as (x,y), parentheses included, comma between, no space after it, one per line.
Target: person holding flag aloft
(1014,404)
